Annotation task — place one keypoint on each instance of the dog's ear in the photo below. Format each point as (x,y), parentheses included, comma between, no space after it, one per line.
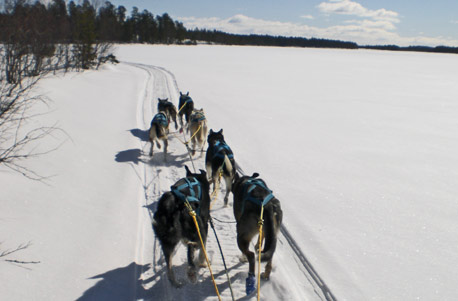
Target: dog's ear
(255,175)
(187,94)
(188,172)
(220,131)
(203,173)
(211,131)
(181,93)
(166,99)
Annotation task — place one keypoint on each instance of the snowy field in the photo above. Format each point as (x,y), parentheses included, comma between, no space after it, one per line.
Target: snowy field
(359,146)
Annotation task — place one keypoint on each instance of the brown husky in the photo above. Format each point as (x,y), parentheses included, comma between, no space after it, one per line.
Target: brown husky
(198,129)
(169,108)
(158,131)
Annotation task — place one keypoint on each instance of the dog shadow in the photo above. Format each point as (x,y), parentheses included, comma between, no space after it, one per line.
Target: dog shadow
(118,284)
(167,160)
(151,207)
(140,134)
(131,155)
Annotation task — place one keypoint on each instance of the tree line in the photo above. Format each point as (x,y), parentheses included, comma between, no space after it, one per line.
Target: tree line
(91,23)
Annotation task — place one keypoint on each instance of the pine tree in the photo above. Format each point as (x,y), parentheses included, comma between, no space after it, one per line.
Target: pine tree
(84,35)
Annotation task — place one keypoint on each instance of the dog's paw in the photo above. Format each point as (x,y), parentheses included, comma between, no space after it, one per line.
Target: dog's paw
(250,284)
(265,276)
(203,264)
(177,284)
(192,275)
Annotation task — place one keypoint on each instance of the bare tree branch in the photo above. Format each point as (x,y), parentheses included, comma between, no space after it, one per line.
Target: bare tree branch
(17,249)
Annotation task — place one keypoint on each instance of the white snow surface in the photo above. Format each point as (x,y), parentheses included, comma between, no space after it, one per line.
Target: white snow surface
(359,146)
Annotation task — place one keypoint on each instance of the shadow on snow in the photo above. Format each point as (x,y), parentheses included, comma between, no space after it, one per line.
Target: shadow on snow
(119,284)
(140,134)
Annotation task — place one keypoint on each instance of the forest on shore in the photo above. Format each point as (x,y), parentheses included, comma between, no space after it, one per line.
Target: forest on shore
(90,22)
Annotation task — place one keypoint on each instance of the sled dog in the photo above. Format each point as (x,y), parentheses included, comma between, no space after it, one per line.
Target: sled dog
(250,194)
(219,160)
(197,128)
(172,222)
(159,130)
(185,107)
(169,108)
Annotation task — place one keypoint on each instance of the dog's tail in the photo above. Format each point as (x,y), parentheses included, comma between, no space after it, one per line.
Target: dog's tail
(272,218)
(152,133)
(228,168)
(161,131)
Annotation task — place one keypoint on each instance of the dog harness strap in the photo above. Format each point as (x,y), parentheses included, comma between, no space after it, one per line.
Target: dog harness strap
(161,118)
(249,186)
(187,99)
(190,183)
(219,147)
(197,117)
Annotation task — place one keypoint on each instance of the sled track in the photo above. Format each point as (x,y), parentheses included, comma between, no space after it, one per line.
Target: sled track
(157,176)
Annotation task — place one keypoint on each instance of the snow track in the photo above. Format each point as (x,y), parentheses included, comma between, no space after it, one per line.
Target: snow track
(157,175)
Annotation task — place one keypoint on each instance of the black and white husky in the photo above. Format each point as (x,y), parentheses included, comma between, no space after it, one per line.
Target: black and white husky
(159,130)
(172,222)
(169,108)
(198,129)
(185,105)
(250,194)
(219,160)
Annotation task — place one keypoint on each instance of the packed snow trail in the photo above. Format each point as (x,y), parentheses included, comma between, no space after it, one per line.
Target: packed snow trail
(157,176)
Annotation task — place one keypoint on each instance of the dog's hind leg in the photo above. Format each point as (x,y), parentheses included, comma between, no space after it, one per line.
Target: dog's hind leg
(208,167)
(151,138)
(166,144)
(202,261)
(173,113)
(228,181)
(168,253)
(193,143)
(267,270)
(151,150)
(247,228)
(216,181)
(243,242)
(192,273)
(228,171)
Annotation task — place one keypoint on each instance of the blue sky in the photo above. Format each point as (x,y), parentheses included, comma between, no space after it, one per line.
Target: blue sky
(401,22)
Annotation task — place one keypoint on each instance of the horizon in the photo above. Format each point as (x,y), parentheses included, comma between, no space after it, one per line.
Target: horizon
(362,22)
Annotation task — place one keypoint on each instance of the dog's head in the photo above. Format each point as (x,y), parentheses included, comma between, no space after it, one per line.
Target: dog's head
(215,136)
(184,96)
(162,104)
(240,180)
(201,177)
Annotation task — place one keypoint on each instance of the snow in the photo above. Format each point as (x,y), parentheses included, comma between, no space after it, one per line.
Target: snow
(359,146)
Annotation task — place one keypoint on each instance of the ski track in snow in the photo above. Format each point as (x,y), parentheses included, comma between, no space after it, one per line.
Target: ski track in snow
(157,176)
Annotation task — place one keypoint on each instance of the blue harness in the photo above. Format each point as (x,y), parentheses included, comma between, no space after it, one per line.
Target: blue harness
(195,117)
(191,196)
(249,186)
(161,118)
(219,148)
